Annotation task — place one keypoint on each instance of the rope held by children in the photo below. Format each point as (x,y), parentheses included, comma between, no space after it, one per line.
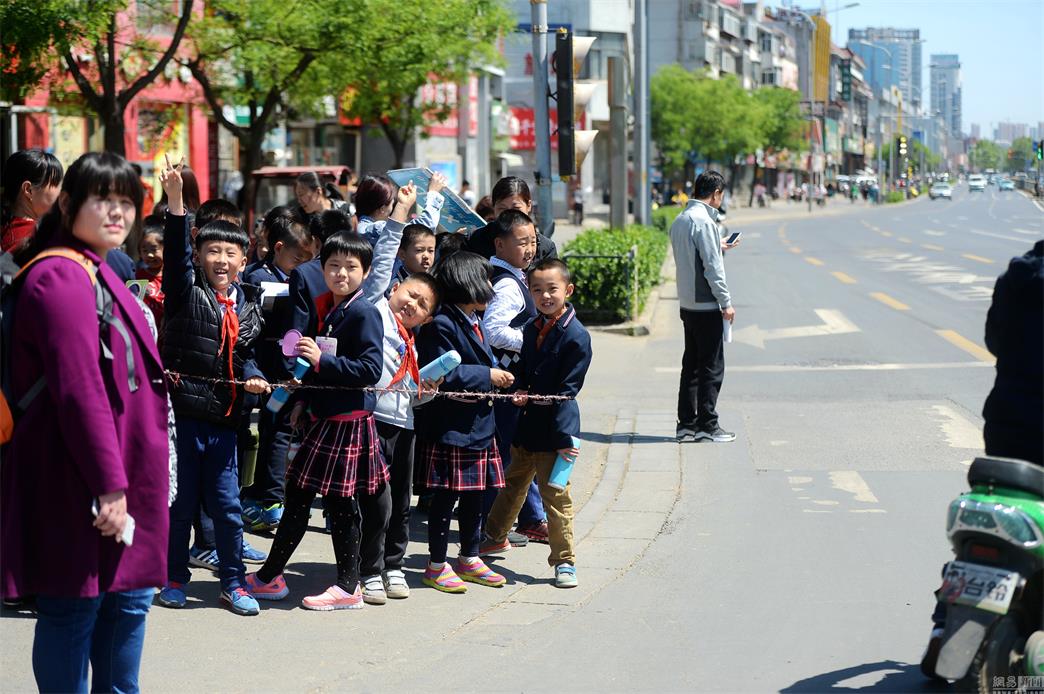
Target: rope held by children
(175,378)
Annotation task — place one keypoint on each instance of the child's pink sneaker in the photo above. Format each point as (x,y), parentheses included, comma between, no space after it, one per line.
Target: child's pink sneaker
(478,572)
(273,590)
(444,579)
(334,598)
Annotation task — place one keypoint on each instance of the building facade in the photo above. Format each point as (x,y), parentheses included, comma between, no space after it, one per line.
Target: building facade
(945,81)
(894,57)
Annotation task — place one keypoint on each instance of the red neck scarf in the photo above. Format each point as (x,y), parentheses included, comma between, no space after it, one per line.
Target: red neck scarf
(409,357)
(229,335)
(545,324)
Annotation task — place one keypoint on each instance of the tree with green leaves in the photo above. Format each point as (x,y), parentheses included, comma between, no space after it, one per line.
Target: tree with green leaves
(105,46)
(694,116)
(985,155)
(264,55)
(1019,155)
(780,122)
(397,51)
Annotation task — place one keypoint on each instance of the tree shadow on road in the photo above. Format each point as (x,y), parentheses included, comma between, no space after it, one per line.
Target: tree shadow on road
(882,676)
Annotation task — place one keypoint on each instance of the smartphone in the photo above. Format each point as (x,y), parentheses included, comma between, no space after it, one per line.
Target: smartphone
(734,237)
(127,538)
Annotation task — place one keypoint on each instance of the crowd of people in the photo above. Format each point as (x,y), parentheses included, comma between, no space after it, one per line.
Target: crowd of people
(140,351)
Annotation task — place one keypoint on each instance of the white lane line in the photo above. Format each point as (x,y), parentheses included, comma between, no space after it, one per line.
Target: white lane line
(998,236)
(933,232)
(959,432)
(787,368)
(852,482)
(1027,232)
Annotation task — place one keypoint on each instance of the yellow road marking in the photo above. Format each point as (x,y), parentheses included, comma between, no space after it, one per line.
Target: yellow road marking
(884,233)
(843,277)
(795,249)
(961,342)
(903,239)
(978,258)
(814,261)
(889,301)
(932,247)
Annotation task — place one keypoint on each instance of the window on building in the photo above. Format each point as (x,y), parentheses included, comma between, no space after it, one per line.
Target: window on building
(765,40)
(768,78)
(694,9)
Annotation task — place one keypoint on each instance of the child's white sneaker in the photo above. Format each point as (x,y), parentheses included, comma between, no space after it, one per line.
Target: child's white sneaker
(565,576)
(373,590)
(395,585)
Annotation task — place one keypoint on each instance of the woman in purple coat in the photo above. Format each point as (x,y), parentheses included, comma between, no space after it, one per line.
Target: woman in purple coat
(97,432)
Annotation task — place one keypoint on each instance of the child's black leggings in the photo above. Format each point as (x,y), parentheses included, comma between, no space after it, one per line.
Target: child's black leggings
(344,529)
(469,518)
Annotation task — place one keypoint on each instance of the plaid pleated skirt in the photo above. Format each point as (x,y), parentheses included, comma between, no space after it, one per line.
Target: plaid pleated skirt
(460,469)
(340,458)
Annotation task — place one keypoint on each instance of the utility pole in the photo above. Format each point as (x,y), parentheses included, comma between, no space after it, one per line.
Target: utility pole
(545,214)
(641,112)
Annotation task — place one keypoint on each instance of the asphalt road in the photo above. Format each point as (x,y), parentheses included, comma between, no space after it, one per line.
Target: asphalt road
(801,557)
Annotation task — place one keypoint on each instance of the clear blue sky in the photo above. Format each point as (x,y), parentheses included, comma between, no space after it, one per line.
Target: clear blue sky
(1000,44)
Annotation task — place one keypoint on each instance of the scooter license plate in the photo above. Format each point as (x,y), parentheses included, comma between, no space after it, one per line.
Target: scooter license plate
(984,587)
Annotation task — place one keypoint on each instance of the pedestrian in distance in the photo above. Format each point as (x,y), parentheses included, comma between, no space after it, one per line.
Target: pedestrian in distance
(32,180)
(554,359)
(211,323)
(455,435)
(95,435)
(340,457)
(511,307)
(706,305)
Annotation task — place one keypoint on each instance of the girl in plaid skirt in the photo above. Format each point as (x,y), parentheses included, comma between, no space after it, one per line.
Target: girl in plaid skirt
(455,434)
(340,457)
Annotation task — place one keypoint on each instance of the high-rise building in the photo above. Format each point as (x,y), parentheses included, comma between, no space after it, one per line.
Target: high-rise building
(976,132)
(893,57)
(945,81)
(1006,133)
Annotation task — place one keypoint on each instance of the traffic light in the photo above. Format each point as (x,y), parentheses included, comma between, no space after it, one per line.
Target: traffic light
(1039,149)
(902,145)
(846,79)
(572,96)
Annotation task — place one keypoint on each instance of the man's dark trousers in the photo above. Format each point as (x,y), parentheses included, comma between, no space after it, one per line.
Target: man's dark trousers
(702,371)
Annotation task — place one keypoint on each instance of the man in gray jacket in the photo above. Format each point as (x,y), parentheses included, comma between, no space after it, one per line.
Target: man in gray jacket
(704,298)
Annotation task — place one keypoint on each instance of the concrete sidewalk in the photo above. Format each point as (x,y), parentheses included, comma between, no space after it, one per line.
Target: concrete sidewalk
(623,497)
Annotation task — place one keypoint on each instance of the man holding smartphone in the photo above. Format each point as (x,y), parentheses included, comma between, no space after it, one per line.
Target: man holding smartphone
(703,295)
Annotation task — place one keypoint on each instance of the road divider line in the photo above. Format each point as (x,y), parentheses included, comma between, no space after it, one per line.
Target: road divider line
(889,301)
(998,236)
(814,261)
(961,342)
(852,482)
(978,258)
(795,250)
(842,277)
(932,247)
(887,234)
(903,239)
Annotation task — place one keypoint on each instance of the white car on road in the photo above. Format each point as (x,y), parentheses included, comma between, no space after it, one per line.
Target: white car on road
(976,183)
(941,189)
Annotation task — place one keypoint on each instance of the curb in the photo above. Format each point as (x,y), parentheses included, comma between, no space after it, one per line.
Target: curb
(641,327)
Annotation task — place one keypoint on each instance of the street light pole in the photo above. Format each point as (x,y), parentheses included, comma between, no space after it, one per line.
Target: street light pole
(545,213)
(641,111)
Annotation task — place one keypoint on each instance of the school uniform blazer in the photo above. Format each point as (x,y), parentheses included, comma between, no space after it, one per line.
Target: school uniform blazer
(459,421)
(557,368)
(306,285)
(359,330)
(89,432)
(267,351)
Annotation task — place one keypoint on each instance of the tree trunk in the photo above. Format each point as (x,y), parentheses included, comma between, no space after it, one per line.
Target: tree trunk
(115,130)
(250,160)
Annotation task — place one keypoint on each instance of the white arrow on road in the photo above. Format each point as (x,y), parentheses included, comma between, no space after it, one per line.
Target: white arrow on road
(834,323)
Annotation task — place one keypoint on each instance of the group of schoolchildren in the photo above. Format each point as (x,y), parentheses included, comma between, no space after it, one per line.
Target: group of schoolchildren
(370,298)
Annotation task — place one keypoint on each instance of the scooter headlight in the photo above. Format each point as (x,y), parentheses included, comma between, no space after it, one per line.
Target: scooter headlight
(951,515)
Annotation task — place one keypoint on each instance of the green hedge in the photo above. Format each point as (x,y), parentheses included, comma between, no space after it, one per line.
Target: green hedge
(603,285)
(663,217)
(895,196)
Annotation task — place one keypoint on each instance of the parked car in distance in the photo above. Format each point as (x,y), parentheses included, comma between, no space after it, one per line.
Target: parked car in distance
(976,183)
(941,189)
(1006,184)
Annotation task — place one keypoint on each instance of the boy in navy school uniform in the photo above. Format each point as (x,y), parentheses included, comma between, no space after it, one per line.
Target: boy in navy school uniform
(555,356)
(211,323)
(512,307)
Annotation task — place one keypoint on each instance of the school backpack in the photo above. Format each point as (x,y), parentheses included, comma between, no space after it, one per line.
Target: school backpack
(12,405)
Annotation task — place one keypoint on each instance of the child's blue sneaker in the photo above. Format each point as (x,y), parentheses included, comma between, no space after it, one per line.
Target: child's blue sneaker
(271,516)
(252,555)
(240,601)
(252,514)
(172,595)
(204,558)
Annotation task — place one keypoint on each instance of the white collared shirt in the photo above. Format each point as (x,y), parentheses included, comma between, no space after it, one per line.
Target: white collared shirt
(507,302)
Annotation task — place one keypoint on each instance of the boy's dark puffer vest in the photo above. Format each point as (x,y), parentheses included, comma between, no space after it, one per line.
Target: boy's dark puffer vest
(506,358)
(192,340)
